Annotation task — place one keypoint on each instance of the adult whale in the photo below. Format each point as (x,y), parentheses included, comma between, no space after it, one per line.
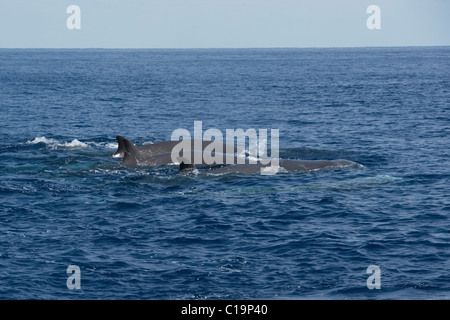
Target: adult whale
(142,157)
(285,165)
(160,147)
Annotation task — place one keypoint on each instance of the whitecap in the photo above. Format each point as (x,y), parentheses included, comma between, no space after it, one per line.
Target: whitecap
(272,170)
(52,143)
(75,144)
(110,145)
(42,140)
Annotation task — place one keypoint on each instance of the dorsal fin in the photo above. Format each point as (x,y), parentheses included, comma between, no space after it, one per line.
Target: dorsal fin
(185,164)
(131,154)
(121,148)
(186,167)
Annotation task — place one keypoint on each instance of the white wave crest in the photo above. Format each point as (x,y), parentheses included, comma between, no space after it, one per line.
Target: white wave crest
(42,140)
(52,143)
(73,144)
(110,145)
(76,144)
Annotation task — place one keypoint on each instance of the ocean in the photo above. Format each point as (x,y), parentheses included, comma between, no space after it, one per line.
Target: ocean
(152,233)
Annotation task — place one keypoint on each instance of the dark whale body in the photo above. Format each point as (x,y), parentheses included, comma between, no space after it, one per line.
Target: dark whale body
(160,154)
(145,156)
(284,166)
(159,147)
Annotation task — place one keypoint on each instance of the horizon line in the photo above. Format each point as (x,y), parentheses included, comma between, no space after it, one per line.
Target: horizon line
(217,48)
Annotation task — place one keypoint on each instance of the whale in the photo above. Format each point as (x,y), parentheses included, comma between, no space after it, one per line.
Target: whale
(284,166)
(162,147)
(143,157)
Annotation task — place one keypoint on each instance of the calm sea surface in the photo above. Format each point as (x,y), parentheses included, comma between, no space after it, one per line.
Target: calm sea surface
(151,233)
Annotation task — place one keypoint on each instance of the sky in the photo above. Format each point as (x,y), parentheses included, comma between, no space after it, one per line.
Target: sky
(223,23)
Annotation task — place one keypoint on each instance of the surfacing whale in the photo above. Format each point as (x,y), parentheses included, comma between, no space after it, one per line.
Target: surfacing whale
(155,155)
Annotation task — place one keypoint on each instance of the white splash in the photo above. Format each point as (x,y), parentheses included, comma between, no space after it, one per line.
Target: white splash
(53,144)
(110,145)
(42,140)
(75,144)
(272,170)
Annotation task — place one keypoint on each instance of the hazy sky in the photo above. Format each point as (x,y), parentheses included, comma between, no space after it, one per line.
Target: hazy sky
(222,23)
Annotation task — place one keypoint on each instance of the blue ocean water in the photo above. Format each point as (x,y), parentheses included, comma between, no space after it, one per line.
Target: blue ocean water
(151,233)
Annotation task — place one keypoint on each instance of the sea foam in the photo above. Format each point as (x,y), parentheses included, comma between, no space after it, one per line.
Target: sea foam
(52,143)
